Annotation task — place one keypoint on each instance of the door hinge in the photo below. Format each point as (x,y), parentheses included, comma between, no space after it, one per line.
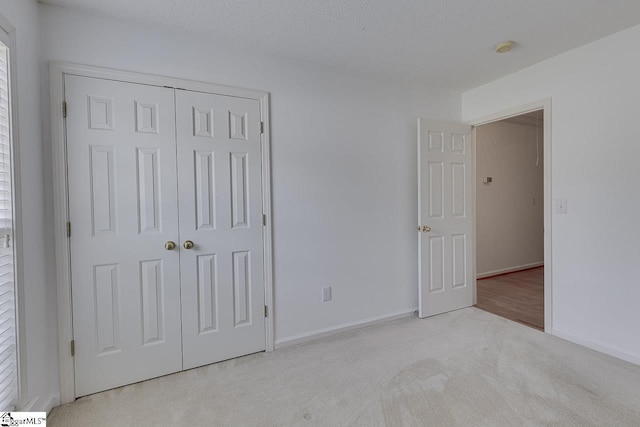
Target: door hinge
(266,311)
(73,347)
(68,229)
(64,109)
(261,127)
(264,219)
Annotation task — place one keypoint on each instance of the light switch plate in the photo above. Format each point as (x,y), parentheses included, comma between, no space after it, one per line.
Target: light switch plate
(326,294)
(561,206)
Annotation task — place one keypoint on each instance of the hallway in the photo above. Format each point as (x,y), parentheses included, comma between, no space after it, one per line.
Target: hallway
(516,296)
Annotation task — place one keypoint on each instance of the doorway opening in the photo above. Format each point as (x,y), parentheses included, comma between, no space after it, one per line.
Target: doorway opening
(510,218)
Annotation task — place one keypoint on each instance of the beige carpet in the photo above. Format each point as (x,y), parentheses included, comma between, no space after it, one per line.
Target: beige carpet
(466,368)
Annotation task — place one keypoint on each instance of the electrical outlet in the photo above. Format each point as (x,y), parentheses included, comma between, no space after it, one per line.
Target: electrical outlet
(326,294)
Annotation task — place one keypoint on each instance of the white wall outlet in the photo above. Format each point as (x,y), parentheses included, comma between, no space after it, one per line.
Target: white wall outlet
(561,206)
(326,293)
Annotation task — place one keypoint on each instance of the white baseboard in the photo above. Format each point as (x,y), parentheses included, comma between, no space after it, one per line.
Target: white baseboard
(52,402)
(39,404)
(334,330)
(28,407)
(618,354)
(509,270)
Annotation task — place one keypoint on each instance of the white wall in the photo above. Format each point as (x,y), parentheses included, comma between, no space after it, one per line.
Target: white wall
(509,210)
(343,157)
(39,314)
(595,165)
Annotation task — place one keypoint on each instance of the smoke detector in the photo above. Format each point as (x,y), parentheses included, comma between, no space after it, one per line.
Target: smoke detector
(504,47)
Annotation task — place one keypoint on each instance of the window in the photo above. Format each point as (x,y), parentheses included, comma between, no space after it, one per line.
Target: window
(8,342)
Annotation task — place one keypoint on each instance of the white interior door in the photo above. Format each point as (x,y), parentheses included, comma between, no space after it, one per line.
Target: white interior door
(123,209)
(220,192)
(445,248)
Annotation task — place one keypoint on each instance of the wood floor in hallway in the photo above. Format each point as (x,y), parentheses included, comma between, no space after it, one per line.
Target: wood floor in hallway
(516,296)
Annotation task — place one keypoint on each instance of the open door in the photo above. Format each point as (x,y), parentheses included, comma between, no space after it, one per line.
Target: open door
(445,247)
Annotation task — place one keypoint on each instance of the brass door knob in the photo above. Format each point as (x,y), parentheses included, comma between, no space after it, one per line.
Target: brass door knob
(426,229)
(188,244)
(170,245)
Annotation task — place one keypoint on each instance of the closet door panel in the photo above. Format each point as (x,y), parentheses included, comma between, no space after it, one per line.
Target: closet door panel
(123,209)
(220,208)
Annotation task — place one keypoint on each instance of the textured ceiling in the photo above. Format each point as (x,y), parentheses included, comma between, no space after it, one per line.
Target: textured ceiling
(444,44)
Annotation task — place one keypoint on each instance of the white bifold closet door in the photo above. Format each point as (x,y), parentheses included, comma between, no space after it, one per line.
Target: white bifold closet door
(149,166)
(219,175)
(123,208)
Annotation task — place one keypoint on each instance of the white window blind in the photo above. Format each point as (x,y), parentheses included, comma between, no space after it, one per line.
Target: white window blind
(8,360)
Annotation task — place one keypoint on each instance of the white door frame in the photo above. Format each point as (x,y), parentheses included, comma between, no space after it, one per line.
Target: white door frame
(57,71)
(545,105)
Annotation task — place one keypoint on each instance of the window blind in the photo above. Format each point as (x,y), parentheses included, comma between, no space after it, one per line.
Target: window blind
(8,359)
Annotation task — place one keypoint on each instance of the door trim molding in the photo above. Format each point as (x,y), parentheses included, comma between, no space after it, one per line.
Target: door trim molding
(545,105)
(57,72)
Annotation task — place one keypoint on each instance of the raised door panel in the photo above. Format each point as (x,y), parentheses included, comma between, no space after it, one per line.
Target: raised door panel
(459,143)
(435,198)
(147,117)
(241,288)
(436,141)
(219,149)
(100,113)
(207,287)
(205,190)
(436,264)
(107,308)
(238,125)
(148,180)
(459,260)
(152,293)
(458,190)
(123,208)
(203,122)
(239,190)
(102,177)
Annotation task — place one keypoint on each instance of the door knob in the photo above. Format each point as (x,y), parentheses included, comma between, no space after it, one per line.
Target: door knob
(426,229)
(170,245)
(188,244)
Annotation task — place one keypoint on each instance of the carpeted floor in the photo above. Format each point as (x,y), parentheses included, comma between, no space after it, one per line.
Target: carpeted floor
(465,368)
